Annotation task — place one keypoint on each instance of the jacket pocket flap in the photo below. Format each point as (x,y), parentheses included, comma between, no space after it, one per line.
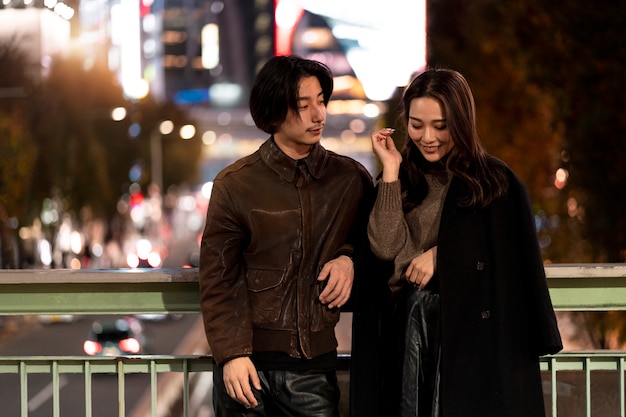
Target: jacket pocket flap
(264,279)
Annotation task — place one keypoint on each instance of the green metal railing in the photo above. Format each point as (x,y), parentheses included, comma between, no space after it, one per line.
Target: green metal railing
(580,287)
(586,364)
(90,366)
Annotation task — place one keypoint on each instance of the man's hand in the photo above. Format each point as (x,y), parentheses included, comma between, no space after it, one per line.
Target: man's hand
(239,374)
(340,275)
(422,268)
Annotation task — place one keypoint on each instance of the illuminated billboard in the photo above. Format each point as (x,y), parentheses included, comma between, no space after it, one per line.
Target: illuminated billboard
(381,44)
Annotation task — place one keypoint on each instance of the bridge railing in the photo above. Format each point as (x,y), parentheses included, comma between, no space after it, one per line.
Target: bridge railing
(572,380)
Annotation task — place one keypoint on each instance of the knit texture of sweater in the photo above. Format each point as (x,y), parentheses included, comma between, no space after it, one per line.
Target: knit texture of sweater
(399,237)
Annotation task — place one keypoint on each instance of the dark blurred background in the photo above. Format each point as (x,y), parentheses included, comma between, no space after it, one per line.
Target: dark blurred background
(115,115)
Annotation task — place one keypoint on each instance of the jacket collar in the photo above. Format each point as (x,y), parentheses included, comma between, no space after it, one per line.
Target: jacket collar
(286,167)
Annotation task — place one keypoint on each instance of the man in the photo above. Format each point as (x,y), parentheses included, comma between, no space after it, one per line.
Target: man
(276,260)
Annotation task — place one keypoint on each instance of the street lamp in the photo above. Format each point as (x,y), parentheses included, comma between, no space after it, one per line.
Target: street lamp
(156,152)
(156,148)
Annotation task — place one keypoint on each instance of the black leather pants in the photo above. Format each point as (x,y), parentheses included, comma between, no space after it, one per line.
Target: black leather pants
(420,379)
(411,380)
(312,393)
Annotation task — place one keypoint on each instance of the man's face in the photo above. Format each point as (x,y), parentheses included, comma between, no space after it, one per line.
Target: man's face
(302,129)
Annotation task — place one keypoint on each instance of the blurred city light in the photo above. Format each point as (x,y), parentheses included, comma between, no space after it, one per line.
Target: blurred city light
(224,118)
(348,136)
(288,12)
(357,126)
(144,248)
(373,36)
(207,187)
(187,203)
(371,110)
(132,260)
(225,94)
(118,114)
(572,207)
(166,127)
(126,35)
(209,137)
(187,132)
(210,46)
(97,250)
(134,130)
(45,252)
(560,178)
(154,260)
(76,242)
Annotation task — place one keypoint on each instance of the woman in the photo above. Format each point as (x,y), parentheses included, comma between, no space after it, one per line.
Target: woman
(472,308)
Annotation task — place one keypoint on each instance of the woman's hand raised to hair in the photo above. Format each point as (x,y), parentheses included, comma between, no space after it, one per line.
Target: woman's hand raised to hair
(385,150)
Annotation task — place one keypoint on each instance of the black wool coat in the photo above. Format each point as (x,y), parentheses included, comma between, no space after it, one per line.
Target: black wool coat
(496,313)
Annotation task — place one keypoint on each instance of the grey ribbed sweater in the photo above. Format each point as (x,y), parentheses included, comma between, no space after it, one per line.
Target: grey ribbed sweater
(399,237)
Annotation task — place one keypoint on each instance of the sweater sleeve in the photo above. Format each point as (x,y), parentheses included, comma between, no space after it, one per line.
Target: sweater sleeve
(387,229)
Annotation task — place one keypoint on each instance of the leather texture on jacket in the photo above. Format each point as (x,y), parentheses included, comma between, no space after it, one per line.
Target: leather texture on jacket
(272,223)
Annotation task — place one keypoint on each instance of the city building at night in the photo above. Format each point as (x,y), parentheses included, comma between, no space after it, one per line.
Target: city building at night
(40,32)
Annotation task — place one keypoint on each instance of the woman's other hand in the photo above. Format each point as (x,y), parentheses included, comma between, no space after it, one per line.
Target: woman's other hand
(422,268)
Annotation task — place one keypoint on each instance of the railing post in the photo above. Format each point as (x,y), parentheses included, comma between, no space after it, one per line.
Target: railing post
(186,388)
(588,386)
(88,402)
(23,390)
(56,402)
(153,388)
(553,386)
(121,399)
(622,389)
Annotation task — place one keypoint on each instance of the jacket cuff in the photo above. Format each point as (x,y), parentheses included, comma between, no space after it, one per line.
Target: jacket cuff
(230,358)
(345,252)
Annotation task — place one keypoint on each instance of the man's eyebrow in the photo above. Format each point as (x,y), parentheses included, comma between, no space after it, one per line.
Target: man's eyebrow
(300,98)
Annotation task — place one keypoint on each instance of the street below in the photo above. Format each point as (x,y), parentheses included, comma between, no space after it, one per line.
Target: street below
(66,339)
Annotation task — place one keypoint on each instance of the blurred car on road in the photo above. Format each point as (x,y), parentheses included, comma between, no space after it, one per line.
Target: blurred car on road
(158,316)
(120,337)
(57,318)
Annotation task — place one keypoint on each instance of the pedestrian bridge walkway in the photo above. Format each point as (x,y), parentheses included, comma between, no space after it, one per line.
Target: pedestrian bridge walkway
(589,384)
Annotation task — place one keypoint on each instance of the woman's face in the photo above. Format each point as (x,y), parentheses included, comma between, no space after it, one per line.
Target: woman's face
(428,129)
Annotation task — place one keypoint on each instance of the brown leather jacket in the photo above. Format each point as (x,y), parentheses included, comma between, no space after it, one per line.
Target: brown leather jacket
(271,225)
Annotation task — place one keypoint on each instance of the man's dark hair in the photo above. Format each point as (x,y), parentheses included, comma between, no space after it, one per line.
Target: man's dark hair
(276,87)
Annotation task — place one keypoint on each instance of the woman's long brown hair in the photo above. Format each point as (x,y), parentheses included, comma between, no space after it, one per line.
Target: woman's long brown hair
(467,160)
